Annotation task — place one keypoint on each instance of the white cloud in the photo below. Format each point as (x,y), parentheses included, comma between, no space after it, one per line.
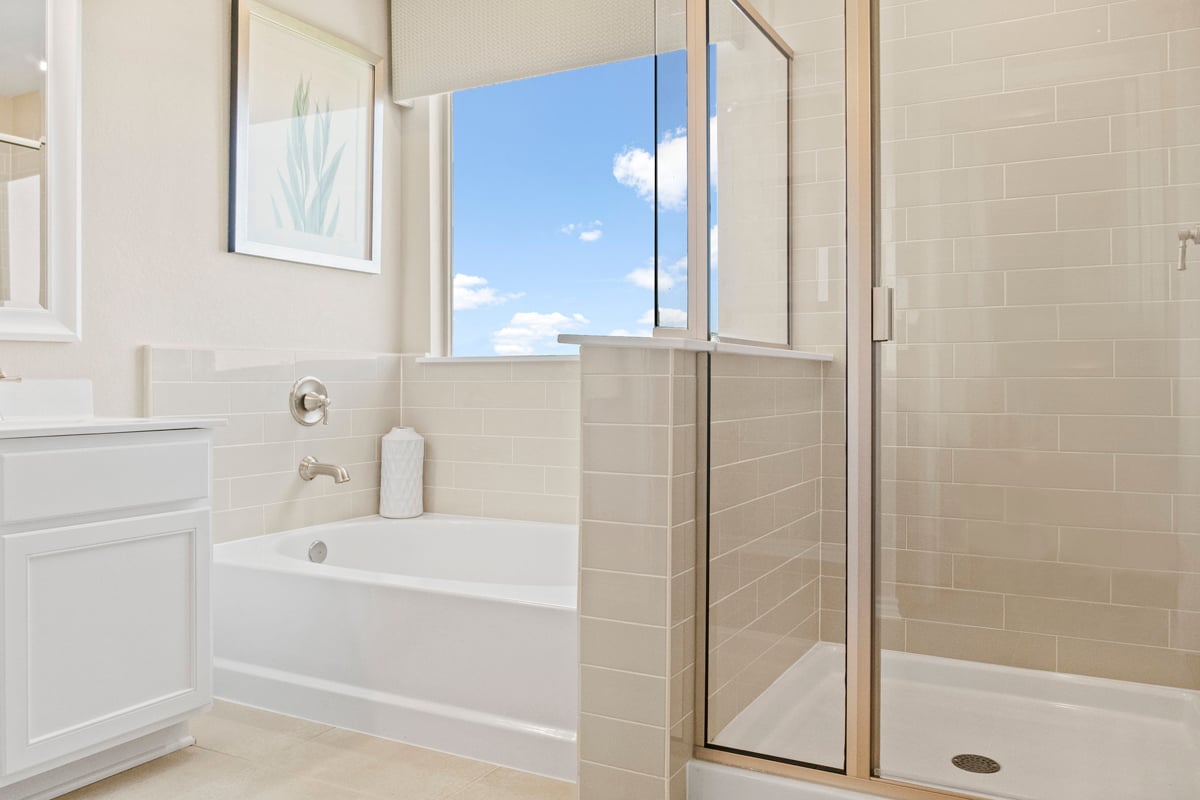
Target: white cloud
(712,247)
(635,167)
(643,277)
(466,281)
(587,231)
(672,317)
(472,291)
(528,331)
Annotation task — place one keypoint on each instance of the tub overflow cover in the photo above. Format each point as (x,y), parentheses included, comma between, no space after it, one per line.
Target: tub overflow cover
(317,552)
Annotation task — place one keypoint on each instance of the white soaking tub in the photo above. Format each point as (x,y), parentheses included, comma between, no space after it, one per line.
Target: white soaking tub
(454,633)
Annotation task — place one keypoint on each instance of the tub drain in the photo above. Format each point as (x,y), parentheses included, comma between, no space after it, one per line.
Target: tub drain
(972,762)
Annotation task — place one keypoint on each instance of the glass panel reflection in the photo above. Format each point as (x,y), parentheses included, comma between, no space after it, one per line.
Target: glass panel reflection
(22,156)
(748,165)
(776,670)
(670,169)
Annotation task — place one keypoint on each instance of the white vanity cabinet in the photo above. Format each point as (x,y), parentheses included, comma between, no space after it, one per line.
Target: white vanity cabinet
(105,641)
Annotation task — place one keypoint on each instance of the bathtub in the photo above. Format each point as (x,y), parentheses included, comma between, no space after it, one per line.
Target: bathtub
(454,633)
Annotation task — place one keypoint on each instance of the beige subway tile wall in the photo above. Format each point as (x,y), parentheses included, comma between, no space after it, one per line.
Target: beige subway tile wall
(501,437)
(764,525)
(487,453)
(637,572)
(815,31)
(1039,429)
(256,488)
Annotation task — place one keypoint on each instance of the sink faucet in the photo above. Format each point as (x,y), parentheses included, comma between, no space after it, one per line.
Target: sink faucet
(311,468)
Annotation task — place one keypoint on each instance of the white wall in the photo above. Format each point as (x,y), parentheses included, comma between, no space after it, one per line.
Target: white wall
(155,161)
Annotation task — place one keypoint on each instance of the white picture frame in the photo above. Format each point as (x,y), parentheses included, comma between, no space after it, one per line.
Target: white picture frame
(306,143)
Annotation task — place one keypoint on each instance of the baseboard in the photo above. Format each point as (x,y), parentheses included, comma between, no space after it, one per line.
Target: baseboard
(61,780)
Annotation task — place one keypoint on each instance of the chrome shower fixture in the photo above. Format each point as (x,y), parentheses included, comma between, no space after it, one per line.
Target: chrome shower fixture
(1186,235)
(309,401)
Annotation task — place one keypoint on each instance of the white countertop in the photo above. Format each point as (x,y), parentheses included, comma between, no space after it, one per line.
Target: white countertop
(29,427)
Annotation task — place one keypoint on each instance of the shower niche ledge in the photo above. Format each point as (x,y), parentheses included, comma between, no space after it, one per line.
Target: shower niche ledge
(105,555)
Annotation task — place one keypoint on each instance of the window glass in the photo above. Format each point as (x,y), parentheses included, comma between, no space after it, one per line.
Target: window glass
(554,208)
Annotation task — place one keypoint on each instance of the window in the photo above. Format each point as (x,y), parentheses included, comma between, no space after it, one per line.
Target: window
(554,207)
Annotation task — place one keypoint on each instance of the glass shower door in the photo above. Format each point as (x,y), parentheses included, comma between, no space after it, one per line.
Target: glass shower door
(775,638)
(1038,531)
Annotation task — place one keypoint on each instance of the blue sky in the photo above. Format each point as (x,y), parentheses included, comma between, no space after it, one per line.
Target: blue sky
(553,205)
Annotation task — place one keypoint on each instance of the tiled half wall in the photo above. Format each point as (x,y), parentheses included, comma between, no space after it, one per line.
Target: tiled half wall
(637,580)
(502,439)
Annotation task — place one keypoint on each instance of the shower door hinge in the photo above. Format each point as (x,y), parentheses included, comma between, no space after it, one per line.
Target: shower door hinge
(881,313)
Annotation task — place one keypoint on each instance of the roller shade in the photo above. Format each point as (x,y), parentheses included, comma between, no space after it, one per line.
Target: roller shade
(446,45)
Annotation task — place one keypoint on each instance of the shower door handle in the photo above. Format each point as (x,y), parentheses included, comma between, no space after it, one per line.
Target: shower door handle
(881,313)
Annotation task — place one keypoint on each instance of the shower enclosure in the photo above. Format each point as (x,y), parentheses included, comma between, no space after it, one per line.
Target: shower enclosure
(969,564)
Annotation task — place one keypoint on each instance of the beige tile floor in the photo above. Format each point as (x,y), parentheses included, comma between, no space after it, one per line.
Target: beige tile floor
(245,754)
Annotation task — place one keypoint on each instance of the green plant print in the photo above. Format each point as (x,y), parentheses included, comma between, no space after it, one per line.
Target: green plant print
(311,169)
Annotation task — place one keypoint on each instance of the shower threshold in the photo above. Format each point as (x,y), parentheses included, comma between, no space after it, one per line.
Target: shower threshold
(1055,736)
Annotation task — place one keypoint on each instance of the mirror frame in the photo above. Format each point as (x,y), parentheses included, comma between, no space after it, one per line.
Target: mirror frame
(61,320)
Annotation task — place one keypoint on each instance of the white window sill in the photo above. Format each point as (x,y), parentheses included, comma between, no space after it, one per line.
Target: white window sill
(492,359)
(671,343)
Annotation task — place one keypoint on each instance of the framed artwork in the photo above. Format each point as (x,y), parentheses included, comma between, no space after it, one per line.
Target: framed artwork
(306,143)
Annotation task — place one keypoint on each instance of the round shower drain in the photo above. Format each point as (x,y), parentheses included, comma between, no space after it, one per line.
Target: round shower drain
(975,763)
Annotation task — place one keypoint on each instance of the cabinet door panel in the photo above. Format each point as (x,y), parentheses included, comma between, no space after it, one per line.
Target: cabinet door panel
(106,631)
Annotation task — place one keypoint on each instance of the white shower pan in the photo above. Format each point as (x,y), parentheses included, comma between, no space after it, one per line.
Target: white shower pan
(1056,736)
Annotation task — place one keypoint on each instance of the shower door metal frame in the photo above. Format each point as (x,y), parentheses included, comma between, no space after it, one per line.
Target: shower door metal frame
(862,668)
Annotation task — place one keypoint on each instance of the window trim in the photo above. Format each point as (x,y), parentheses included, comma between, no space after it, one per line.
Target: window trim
(441,225)
(699,215)
(699,258)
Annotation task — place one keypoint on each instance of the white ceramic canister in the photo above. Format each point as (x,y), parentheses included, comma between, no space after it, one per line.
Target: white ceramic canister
(402,474)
